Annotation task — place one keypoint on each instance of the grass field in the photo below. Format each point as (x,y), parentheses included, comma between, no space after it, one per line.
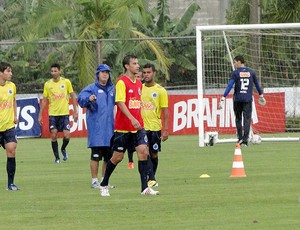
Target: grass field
(58,196)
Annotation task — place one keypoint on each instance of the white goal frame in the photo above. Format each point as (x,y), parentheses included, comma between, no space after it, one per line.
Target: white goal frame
(199,53)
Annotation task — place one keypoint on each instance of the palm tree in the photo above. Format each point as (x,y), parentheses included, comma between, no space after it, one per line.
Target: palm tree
(182,51)
(88,23)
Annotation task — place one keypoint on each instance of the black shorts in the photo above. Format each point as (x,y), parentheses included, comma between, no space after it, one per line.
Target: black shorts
(8,136)
(123,141)
(60,123)
(154,139)
(97,153)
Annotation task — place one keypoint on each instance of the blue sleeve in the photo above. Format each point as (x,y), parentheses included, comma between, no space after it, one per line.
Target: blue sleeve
(84,98)
(229,87)
(260,92)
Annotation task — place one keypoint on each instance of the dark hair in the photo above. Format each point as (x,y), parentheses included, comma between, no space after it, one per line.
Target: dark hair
(4,66)
(240,58)
(126,60)
(55,65)
(149,65)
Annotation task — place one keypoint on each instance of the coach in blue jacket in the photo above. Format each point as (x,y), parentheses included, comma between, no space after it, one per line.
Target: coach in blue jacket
(99,100)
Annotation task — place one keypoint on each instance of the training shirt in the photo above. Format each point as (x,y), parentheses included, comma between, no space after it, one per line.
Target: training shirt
(7,112)
(130,93)
(153,99)
(58,96)
(243,79)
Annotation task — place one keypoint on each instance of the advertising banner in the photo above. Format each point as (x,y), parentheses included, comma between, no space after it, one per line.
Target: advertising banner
(28,112)
(184,116)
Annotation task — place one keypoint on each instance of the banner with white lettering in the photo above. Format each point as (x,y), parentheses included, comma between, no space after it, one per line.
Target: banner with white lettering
(28,111)
(184,114)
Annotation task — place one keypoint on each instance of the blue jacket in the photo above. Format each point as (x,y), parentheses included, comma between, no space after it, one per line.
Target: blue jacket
(99,113)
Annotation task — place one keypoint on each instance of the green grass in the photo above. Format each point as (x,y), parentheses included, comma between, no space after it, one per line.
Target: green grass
(59,196)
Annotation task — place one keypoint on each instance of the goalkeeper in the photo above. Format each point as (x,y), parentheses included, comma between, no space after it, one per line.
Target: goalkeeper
(243,79)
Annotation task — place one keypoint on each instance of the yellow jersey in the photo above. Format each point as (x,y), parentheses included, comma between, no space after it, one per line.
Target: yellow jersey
(7,99)
(153,99)
(58,96)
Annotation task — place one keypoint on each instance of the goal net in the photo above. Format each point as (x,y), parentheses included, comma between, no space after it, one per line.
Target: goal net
(273,51)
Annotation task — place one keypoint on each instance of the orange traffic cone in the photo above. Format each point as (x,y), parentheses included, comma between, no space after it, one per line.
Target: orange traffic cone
(238,165)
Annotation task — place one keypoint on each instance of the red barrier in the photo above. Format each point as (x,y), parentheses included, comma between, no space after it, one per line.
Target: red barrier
(183,115)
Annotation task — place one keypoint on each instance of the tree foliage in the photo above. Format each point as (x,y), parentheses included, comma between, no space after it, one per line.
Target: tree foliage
(80,34)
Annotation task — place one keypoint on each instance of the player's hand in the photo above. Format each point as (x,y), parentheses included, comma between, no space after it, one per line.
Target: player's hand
(40,120)
(165,135)
(75,116)
(262,100)
(221,104)
(16,120)
(136,124)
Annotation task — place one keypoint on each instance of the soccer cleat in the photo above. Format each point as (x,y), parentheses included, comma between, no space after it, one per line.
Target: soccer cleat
(152,183)
(104,191)
(65,155)
(96,184)
(13,187)
(244,143)
(130,165)
(57,161)
(149,191)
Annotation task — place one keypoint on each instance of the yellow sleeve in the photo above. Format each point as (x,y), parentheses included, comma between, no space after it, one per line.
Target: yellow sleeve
(164,99)
(69,86)
(46,92)
(120,91)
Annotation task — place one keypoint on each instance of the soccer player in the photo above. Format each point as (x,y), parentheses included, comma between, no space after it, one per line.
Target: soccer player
(57,91)
(154,104)
(131,149)
(243,79)
(129,126)
(8,119)
(99,100)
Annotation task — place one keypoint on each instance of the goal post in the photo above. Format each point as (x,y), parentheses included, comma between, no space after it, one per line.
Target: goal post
(273,51)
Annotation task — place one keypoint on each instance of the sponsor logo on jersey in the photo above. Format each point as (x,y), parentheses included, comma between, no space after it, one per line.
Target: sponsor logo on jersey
(58,96)
(134,104)
(147,106)
(245,74)
(5,105)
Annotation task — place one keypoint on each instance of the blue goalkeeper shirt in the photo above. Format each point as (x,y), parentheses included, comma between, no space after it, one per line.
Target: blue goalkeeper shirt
(243,79)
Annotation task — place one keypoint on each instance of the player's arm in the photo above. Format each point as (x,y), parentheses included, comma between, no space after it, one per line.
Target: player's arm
(15,111)
(163,103)
(227,90)
(43,105)
(165,133)
(261,99)
(74,102)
